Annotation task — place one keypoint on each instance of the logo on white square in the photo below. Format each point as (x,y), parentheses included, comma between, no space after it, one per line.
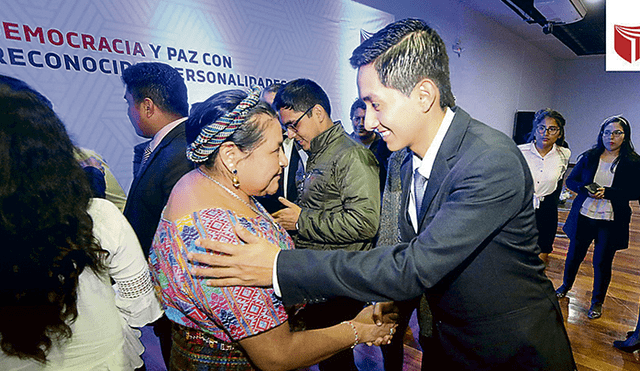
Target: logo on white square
(622,35)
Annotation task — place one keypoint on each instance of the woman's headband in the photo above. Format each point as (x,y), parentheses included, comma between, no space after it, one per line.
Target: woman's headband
(212,135)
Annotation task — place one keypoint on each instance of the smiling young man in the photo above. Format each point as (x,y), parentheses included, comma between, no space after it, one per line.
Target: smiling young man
(466,223)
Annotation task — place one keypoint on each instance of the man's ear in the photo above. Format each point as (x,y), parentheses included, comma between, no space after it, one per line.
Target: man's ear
(428,94)
(320,115)
(317,111)
(147,107)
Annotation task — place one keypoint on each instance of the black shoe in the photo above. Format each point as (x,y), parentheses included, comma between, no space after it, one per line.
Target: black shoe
(629,345)
(562,291)
(595,311)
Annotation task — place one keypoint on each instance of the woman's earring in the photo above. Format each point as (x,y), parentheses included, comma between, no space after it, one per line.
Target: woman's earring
(235,180)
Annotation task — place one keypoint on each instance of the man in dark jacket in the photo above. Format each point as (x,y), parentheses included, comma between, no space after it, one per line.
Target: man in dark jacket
(339,198)
(158,106)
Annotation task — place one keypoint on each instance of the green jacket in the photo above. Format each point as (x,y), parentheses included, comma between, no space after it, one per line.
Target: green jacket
(340,200)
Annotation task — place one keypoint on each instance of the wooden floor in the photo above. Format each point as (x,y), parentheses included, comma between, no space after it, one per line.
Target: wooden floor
(592,340)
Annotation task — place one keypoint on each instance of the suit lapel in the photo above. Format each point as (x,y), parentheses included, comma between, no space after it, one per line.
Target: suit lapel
(165,142)
(406,173)
(138,155)
(438,172)
(443,162)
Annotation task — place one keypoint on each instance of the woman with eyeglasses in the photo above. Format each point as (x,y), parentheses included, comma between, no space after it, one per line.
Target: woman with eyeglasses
(548,159)
(605,178)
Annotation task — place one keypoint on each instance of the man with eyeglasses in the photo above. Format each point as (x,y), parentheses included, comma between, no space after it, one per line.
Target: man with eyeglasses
(339,196)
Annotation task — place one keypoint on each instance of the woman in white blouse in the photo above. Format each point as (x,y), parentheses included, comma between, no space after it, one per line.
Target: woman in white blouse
(605,179)
(548,159)
(61,252)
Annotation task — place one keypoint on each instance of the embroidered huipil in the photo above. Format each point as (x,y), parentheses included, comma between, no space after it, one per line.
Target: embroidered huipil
(228,313)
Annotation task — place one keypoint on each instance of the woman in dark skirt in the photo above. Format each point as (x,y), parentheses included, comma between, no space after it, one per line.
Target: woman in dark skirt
(548,159)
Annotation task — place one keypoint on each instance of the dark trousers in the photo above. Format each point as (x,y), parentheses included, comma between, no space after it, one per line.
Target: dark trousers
(162,329)
(547,222)
(331,313)
(432,354)
(589,230)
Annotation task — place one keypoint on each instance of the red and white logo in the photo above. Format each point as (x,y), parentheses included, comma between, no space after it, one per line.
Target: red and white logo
(627,42)
(622,35)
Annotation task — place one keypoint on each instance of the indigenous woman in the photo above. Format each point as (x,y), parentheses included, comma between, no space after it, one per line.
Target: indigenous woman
(548,160)
(236,140)
(605,178)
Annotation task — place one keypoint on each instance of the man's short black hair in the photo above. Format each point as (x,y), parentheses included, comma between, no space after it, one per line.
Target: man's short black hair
(359,103)
(159,82)
(405,52)
(300,95)
(273,88)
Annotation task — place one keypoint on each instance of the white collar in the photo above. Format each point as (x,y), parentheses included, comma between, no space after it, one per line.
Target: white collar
(164,131)
(426,163)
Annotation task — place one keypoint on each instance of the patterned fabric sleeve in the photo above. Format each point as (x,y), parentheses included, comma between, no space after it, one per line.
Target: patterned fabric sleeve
(228,313)
(135,297)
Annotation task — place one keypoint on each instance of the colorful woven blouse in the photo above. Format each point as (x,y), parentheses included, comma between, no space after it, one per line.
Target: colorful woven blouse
(228,313)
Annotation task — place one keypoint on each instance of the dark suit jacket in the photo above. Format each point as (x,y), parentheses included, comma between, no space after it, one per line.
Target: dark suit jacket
(474,258)
(625,187)
(153,183)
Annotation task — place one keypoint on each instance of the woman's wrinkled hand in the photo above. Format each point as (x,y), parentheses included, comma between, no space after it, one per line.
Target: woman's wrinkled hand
(374,333)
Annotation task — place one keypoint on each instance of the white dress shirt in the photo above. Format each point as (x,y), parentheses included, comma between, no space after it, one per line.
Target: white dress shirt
(546,170)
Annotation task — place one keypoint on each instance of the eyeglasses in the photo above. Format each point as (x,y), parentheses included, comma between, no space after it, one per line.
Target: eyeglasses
(294,125)
(553,130)
(613,134)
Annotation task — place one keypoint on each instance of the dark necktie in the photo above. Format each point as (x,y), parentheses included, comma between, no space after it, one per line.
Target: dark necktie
(419,182)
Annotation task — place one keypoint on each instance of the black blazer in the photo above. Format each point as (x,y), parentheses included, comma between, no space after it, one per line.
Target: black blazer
(625,187)
(153,183)
(474,258)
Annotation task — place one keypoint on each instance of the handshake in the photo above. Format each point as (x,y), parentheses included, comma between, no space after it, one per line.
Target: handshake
(376,324)
(251,264)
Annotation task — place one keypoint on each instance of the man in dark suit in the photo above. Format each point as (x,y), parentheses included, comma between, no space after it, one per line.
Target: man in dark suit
(157,98)
(466,223)
(158,106)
